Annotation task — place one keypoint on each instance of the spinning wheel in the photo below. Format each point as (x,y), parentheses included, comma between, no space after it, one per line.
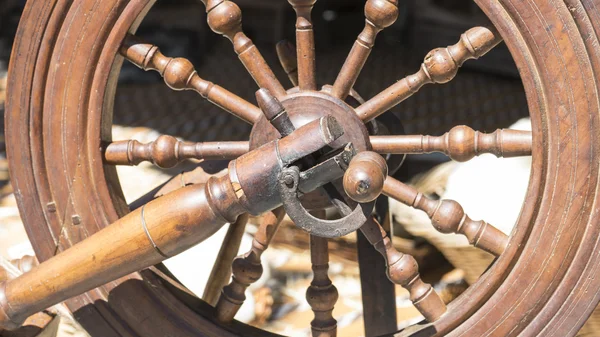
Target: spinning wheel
(309,149)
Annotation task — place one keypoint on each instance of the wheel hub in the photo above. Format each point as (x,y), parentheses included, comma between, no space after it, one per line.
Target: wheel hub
(305,107)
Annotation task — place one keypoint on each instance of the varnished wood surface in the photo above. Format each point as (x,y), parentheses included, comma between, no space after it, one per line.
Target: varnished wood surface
(554,46)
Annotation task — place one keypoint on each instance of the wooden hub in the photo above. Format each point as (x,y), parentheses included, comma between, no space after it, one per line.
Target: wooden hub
(304,107)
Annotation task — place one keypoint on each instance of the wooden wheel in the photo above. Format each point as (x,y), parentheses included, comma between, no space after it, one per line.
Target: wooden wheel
(61,84)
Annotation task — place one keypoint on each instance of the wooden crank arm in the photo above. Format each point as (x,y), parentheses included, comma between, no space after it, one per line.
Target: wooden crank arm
(162,228)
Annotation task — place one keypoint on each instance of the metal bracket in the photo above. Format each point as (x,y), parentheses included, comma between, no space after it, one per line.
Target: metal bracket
(288,187)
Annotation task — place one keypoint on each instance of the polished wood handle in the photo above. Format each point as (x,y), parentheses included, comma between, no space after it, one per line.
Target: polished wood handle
(160,229)
(179,74)
(364,178)
(167,151)
(440,66)
(461,144)
(448,216)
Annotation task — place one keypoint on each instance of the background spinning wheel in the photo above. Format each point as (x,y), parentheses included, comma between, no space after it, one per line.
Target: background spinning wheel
(63,79)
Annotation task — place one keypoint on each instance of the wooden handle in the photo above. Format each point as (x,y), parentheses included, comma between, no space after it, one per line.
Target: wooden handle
(161,229)
(364,178)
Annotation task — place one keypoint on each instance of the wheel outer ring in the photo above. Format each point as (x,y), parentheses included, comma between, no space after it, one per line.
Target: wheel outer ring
(565,156)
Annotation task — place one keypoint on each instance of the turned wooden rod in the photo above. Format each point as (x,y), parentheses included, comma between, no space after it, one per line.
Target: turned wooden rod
(247,268)
(305,41)
(167,151)
(402,269)
(448,216)
(179,74)
(225,18)
(162,228)
(379,14)
(286,52)
(461,144)
(440,66)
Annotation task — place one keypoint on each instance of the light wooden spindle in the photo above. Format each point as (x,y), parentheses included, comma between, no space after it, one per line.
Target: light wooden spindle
(305,41)
(179,74)
(461,144)
(380,14)
(167,151)
(321,295)
(221,271)
(247,268)
(403,269)
(440,66)
(286,52)
(448,216)
(225,18)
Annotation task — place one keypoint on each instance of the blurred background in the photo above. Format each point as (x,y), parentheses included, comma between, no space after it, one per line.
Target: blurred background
(486,95)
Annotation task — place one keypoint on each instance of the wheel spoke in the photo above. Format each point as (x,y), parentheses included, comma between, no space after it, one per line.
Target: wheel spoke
(448,216)
(440,66)
(380,14)
(225,18)
(167,151)
(179,74)
(461,144)
(321,294)
(403,269)
(286,52)
(305,40)
(247,268)
(221,271)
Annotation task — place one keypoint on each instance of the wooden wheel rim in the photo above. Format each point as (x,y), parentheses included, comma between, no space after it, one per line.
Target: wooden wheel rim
(563,167)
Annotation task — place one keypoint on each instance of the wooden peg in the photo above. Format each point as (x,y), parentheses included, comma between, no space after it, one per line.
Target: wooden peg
(447,216)
(364,178)
(440,66)
(461,144)
(225,18)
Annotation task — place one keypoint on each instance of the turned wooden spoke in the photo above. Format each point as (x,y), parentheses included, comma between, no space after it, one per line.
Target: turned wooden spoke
(440,66)
(286,52)
(167,151)
(447,216)
(305,41)
(225,18)
(321,294)
(221,271)
(403,269)
(247,268)
(179,74)
(461,144)
(380,14)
